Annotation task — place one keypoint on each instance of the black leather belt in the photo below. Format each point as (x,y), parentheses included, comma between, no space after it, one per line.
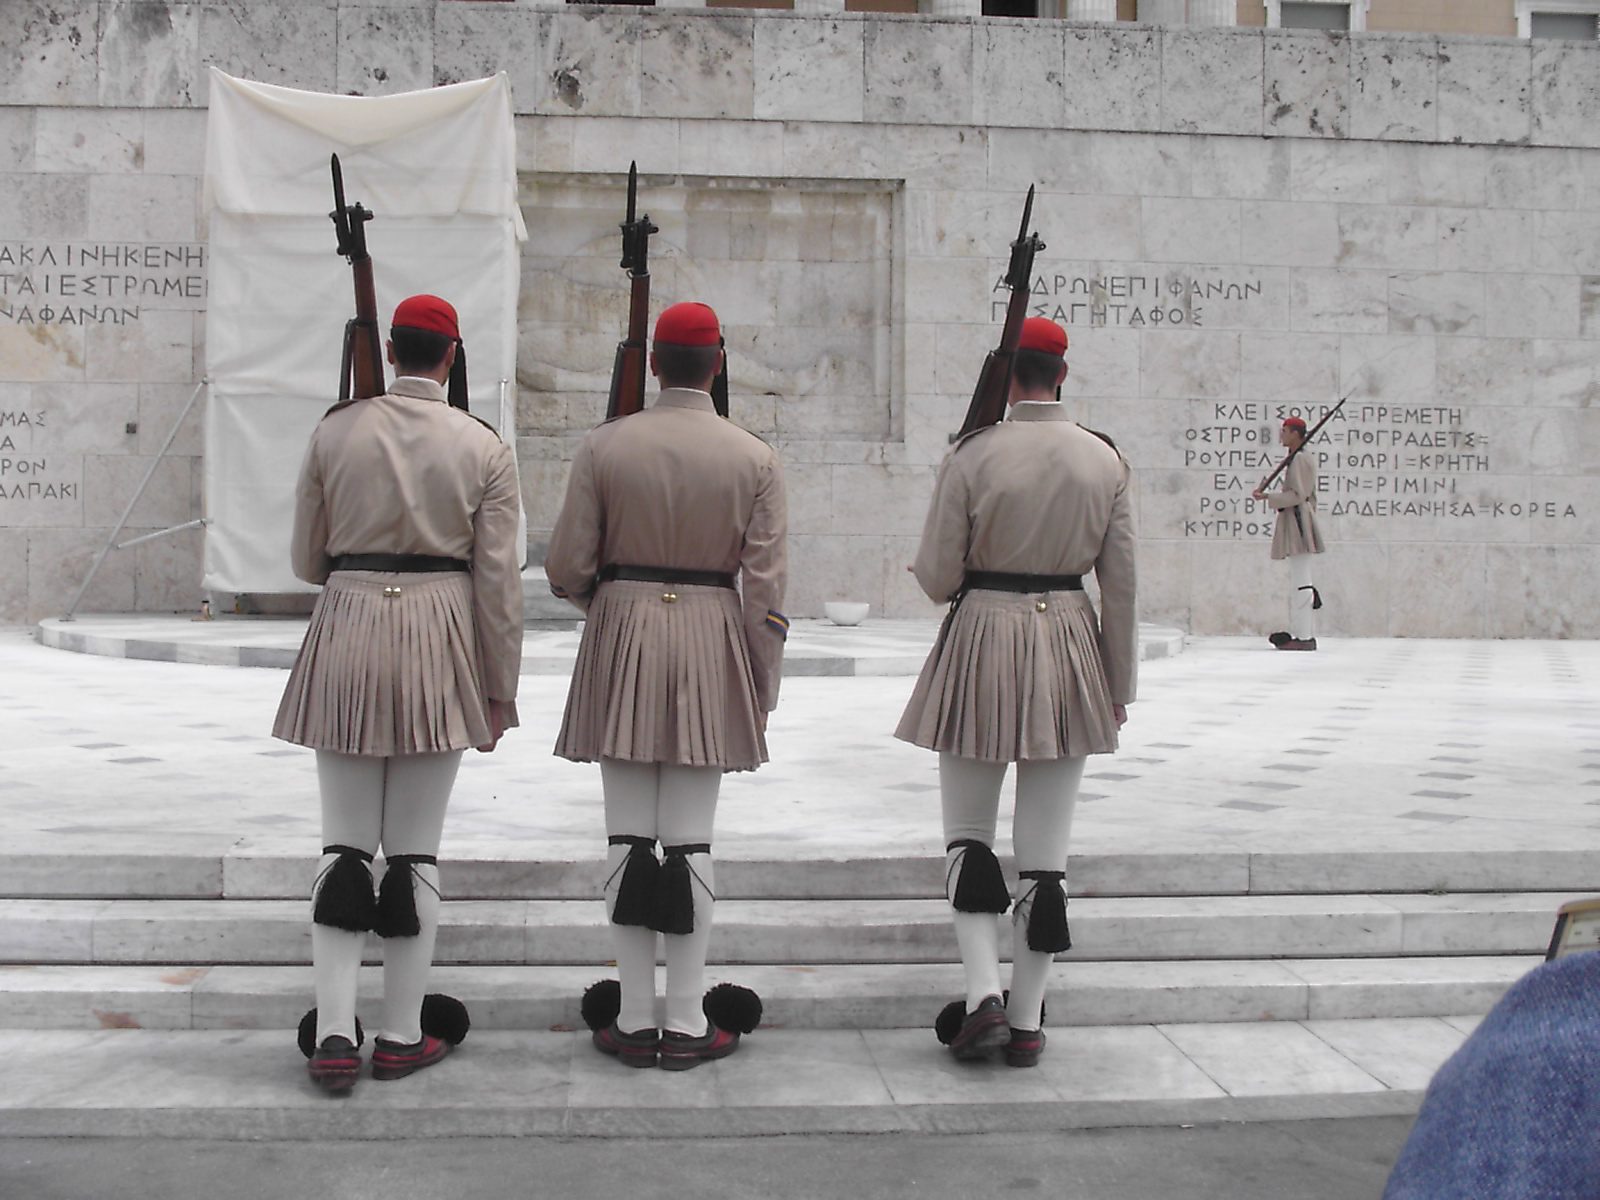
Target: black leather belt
(1002,581)
(410,564)
(665,575)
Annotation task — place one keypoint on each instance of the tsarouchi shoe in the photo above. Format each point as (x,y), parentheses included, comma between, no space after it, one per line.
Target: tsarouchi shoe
(636,1049)
(983,1029)
(680,1051)
(1025,1047)
(335,1064)
(392,1060)
(1279,638)
(1298,644)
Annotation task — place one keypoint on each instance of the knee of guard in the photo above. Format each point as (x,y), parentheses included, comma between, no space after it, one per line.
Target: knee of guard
(397,895)
(342,894)
(973,880)
(675,894)
(1042,911)
(633,883)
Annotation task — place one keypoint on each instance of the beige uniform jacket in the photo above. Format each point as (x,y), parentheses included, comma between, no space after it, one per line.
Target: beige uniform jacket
(1296,501)
(675,485)
(404,473)
(1039,495)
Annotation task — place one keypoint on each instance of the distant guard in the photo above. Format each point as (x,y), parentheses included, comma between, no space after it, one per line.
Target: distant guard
(1022,673)
(1295,536)
(672,542)
(406,513)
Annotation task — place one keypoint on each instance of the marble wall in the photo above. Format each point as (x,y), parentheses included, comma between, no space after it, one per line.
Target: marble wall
(1240,223)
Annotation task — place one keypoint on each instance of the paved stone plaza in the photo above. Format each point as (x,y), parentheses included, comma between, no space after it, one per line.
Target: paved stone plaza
(1280,835)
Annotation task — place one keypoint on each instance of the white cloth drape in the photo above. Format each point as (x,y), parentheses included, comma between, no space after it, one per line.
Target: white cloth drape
(438,168)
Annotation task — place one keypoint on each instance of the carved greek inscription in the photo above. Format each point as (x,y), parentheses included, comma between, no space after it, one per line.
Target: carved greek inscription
(24,474)
(1377,461)
(98,283)
(1130,300)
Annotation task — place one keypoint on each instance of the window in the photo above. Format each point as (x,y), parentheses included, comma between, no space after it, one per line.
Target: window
(1575,19)
(1318,14)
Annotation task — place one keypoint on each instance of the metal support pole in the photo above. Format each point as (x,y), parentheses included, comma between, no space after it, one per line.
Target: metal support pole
(150,537)
(502,429)
(128,512)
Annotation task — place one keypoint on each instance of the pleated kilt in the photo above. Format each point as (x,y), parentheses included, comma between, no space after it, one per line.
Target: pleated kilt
(1008,683)
(386,675)
(663,682)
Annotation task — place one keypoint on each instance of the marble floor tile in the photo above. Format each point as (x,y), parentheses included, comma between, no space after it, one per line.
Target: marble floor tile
(1403,1053)
(1281,1059)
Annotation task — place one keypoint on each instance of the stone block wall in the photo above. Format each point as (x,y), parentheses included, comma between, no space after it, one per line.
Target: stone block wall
(1240,223)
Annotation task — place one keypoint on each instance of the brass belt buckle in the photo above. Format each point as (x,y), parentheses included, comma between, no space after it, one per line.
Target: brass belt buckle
(1040,604)
(669,597)
(391,593)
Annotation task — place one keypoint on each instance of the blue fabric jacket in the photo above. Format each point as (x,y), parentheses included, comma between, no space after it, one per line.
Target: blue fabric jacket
(1515,1112)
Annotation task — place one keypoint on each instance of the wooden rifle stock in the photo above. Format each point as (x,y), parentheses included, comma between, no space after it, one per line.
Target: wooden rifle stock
(994,382)
(627,369)
(361,368)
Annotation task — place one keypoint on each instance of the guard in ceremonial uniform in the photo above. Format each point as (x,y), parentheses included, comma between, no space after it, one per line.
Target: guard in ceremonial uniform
(671,540)
(1295,536)
(1022,673)
(406,512)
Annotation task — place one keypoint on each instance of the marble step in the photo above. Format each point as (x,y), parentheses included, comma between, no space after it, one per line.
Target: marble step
(267,868)
(801,931)
(236,1085)
(796,996)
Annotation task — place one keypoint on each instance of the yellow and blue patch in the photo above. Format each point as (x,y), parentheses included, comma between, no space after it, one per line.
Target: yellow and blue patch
(778,623)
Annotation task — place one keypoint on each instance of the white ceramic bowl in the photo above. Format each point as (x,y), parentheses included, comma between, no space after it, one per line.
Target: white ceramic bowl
(846,612)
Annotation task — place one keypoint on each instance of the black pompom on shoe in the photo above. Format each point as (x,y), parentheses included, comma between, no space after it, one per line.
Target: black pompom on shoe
(601,1003)
(445,1018)
(948,1023)
(731,1007)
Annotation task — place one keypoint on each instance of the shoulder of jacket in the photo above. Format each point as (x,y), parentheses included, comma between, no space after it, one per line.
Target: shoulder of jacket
(343,404)
(967,438)
(495,433)
(1106,438)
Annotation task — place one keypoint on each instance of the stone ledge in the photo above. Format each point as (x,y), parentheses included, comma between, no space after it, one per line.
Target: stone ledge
(252,1085)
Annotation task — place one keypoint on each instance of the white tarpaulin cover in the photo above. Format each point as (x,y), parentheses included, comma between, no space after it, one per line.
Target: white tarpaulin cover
(439,170)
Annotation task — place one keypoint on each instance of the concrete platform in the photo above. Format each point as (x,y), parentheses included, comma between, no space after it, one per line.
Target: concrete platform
(252,1085)
(815,647)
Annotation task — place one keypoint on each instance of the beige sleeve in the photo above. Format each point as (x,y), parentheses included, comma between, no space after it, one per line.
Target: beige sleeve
(763,578)
(1299,485)
(1115,571)
(496,582)
(946,535)
(573,559)
(308,542)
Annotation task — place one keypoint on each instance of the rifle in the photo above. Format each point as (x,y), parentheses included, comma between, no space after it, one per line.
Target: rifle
(994,381)
(361,368)
(627,370)
(1304,442)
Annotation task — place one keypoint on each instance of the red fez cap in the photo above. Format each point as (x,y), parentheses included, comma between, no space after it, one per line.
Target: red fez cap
(1043,335)
(1296,423)
(688,324)
(429,313)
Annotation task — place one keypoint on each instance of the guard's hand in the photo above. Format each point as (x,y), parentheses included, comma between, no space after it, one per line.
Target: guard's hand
(1120,712)
(497,726)
(1258,494)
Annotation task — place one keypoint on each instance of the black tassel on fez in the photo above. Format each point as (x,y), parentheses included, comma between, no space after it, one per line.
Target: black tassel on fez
(344,891)
(675,892)
(981,886)
(397,895)
(1047,918)
(641,879)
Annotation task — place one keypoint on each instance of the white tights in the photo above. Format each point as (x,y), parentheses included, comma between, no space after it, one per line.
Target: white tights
(1302,619)
(396,803)
(1047,791)
(678,806)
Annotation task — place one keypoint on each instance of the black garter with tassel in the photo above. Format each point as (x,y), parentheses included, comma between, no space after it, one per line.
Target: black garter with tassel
(675,889)
(397,895)
(344,891)
(641,880)
(1047,918)
(981,887)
